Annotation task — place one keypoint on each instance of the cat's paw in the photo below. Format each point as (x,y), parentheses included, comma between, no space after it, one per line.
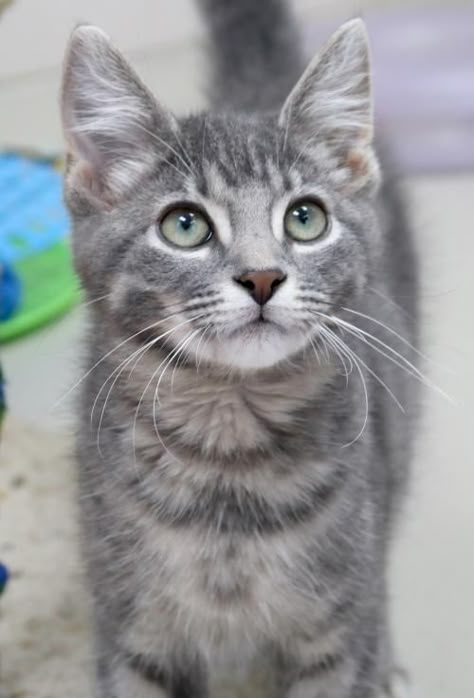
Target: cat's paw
(400,686)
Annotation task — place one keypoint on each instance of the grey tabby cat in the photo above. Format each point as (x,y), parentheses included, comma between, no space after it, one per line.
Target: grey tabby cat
(241,445)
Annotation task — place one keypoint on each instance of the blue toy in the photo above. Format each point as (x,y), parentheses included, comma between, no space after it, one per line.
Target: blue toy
(10,291)
(4,576)
(32,213)
(37,282)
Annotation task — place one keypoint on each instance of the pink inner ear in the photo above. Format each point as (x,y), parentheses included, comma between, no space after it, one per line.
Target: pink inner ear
(84,150)
(84,178)
(358,163)
(363,166)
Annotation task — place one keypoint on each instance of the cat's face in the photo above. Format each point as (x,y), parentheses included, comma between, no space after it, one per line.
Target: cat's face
(232,238)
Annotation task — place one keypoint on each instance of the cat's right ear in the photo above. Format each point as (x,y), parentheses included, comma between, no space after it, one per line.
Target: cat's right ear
(112,124)
(332,105)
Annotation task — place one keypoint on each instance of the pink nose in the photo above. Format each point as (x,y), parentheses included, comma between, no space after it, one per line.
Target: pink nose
(261,284)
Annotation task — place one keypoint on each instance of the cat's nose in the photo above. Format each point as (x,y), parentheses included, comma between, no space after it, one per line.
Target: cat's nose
(261,284)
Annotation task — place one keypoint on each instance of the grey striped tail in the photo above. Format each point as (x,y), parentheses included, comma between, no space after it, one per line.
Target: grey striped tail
(255,51)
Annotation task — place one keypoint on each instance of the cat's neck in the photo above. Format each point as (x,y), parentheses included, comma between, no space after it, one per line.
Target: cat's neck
(221,413)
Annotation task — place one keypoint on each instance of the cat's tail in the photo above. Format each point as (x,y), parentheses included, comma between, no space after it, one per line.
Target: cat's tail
(255,52)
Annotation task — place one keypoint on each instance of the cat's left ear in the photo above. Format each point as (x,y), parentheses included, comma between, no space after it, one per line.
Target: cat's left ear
(331,105)
(114,127)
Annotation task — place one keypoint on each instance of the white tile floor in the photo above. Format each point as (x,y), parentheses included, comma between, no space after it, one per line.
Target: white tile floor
(433,571)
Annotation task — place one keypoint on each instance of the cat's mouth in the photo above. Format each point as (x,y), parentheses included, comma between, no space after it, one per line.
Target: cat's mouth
(257,338)
(259,325)
(261,320)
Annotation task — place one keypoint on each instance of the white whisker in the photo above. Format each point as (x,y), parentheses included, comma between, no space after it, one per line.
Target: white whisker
(164,143)
(174,354)
(178,359)
(169,359)
(130,358)
(137,411)
(206,342)
(199,358)
(122,366)
(390,330)
(315,350)
(117,372)
(85,304)
(109,353)
(403,363)
(355,360)
(342,358)
(185,153)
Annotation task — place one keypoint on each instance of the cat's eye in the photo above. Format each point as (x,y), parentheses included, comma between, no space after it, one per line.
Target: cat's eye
(306,221)
(185,227)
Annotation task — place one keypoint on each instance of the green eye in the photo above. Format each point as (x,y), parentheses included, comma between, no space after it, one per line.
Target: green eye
(185,227)
(306,221)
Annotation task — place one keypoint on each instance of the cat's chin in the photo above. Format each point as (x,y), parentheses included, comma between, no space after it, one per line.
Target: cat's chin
(263,347)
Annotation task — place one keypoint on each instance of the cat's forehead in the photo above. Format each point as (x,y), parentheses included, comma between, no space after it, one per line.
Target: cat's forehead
(237,152)
(224,186)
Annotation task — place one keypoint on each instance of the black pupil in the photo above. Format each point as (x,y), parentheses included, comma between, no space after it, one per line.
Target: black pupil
(186,221)
(302,214)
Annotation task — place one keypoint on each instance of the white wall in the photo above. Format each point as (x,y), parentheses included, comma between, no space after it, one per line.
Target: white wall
(163,39)
(159,36)
(33,32)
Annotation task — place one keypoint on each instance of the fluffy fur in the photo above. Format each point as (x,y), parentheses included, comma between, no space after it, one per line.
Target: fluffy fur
(240,465)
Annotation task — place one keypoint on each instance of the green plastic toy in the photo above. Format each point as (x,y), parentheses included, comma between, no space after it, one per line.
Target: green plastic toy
(34,241)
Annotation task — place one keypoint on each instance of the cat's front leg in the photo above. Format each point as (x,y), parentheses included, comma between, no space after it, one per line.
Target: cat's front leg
(329,677)
(317,666)
(134,676)
(335,675)
(134,680)
(398,685)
